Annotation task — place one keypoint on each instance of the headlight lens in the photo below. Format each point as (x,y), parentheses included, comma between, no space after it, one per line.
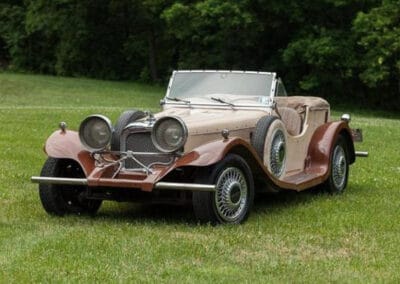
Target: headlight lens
(169,134)
(95,132)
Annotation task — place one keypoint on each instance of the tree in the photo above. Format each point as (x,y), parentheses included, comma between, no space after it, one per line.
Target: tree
(345,49)
(321,53)
(212,34)
(378,34)
(12,33)
(147,40)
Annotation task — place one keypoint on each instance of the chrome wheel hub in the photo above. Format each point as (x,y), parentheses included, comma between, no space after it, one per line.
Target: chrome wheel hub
(278,153)
(231,196)
(339,167)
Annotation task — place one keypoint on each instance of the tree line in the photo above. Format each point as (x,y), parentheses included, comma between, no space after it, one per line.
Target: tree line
(346,50)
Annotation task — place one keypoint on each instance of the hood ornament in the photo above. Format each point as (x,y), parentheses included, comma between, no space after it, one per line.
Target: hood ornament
(63,126)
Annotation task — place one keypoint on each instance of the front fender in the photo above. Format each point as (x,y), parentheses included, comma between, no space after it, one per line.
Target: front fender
(66,145)
(211,153)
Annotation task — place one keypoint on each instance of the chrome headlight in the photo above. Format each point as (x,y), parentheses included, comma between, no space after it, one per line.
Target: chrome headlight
(169,134)
(95,132)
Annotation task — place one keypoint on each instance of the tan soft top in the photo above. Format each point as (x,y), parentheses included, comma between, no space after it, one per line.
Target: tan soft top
(297,102)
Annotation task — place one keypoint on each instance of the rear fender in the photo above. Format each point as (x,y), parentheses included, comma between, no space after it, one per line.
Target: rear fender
(66,145)
(322,143)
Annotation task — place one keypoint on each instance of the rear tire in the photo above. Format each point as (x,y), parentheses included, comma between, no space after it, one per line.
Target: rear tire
(234,196)
(339,167)
(65,199)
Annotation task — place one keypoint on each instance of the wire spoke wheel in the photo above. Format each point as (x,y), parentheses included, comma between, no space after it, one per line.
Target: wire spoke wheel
(231,195)
(278,153)
(234,192)
(339,167)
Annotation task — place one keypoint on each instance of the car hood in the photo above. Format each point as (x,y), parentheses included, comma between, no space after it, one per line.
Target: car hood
(208,121)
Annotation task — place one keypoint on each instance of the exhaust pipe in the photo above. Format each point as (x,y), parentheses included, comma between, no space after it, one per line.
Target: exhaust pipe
(362,154)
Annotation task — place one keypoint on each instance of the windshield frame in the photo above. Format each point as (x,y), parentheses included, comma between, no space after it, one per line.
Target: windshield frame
(269,101)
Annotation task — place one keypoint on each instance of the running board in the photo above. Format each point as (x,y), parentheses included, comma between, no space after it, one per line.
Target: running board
(303,180)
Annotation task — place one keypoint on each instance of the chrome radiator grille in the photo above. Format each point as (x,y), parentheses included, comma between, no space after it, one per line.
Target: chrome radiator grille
(141,142)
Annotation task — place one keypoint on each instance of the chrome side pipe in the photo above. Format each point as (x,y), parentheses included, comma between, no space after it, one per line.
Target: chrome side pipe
(184,186)
(159,185)
(59,180)
(362,154)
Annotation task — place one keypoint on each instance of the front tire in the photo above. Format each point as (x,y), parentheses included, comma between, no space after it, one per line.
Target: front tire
(339,167)
(65,199)
(234,196)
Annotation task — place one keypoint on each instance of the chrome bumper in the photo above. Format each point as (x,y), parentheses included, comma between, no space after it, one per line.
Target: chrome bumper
(158,185)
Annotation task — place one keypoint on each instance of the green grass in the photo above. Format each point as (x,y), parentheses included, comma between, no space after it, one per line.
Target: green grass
(293,237)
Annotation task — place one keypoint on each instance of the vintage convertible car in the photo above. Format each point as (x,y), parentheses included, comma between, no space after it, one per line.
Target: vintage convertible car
(221,137)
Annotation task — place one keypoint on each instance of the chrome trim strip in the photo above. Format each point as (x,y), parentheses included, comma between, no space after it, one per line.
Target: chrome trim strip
(362,154)
(185,186)
(170,83)
(218,105)
(221,71)
(273,86)
(59,180)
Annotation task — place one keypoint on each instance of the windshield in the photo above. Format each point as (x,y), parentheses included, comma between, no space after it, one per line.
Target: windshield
(195,84)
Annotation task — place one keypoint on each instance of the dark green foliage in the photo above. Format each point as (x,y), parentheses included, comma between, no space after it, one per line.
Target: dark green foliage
(213,34)
(378,34)
(341,49)
(12,32)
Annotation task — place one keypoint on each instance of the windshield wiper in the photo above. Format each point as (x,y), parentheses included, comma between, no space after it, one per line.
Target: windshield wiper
(222,101)
(178,100)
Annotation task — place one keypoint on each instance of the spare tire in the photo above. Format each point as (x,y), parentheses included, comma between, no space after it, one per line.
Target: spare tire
(269,141)
(125,118)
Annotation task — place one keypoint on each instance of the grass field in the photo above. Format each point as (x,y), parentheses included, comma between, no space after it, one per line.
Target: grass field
(293,237)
